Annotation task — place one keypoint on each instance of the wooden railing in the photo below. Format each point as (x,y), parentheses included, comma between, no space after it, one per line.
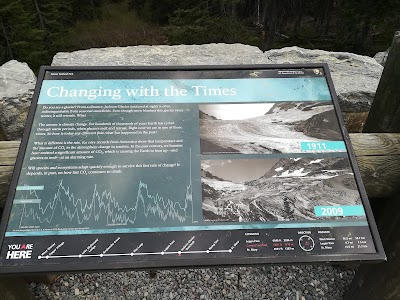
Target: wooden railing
(378,157)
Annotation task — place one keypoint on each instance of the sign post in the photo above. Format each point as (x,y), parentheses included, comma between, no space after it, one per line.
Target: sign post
(137,168)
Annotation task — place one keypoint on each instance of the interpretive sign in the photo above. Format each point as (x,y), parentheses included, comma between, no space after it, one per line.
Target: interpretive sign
(128,168)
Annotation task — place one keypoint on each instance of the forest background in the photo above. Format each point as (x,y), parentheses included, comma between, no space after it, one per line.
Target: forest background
(34,30)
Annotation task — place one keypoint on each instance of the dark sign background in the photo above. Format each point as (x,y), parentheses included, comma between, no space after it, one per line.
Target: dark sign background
(184,186)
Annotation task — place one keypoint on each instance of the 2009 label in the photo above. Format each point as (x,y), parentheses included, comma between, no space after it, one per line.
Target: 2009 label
(339,210)
(331,211)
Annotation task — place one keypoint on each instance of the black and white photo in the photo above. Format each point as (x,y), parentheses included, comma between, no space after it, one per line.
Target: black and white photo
(282,189)
(255,128)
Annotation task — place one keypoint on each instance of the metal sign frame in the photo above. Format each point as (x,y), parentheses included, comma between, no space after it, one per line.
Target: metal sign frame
(19,267)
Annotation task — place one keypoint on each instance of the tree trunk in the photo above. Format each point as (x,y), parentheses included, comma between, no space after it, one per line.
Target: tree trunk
(384,115)
(281,17)
(329,16)
(7,40)
(361,38)
(299,17)
(381,281)
(94,9)
(270,24)
(233,10)
(40,15)
(322,7)
(316,12)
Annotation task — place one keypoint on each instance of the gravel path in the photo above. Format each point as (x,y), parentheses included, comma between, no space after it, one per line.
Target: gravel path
(283,282)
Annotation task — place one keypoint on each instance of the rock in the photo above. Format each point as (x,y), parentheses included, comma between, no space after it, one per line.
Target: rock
(17,82)
(16,78)
(356,77)
(381,57)
(208,54)
(77,292)
(145,288)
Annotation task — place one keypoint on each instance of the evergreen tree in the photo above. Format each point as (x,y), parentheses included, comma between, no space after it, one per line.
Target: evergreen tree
(203,24)
(54,17)
(85,10)
(358,19)
(156,11)
(19,35)
(5,46)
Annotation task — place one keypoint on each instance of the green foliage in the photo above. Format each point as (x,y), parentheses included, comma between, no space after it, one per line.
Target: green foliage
(53,17)
(117,27)
(18,34)
(360,26)
(198,26)
(85,9)
(361,20)
(34,30)
(156,11)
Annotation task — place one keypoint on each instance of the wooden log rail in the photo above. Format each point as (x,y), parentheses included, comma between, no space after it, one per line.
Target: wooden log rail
(378,157)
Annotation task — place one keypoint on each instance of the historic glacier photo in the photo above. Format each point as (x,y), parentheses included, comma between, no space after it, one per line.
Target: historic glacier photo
(265,127)
(274,189)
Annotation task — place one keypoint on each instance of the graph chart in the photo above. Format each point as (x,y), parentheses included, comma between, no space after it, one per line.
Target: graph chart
(65,206)
(102,205)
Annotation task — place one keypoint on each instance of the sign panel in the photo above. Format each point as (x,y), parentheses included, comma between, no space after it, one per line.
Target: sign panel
(124,168)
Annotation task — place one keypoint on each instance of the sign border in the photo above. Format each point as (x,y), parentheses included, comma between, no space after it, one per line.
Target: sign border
(379,256)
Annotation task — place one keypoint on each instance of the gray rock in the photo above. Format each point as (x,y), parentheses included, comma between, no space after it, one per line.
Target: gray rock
(381,57)
(208,54)
(17,82)
(16,78)
(355,77)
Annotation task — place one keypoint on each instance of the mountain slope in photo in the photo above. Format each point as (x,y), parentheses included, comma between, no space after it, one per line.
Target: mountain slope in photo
(288,191)
(278,131)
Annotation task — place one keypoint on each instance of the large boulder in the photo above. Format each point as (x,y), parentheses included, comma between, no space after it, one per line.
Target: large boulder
(355,77)
(381,57)
(17,82)
(208,54)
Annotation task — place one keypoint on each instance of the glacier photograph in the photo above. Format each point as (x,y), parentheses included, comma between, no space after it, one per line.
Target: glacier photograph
(274,189)
(253,128)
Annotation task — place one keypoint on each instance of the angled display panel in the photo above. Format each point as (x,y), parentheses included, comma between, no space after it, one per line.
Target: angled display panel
(134,168)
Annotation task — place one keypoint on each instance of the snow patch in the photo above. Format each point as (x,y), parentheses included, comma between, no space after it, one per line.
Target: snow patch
(317,161)
(324,176)
(224,185)
(205,166)
(296,159)
(295,173)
